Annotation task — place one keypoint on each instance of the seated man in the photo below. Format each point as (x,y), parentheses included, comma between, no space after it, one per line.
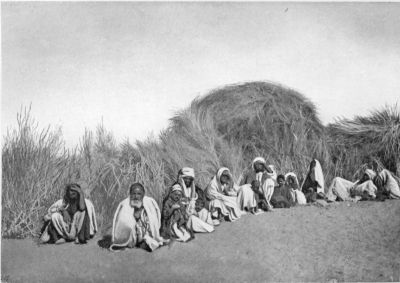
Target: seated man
(223,197)
(174,216)
(282,197)
(265,175)
(137,222)
(70,219)
(259,172)
(344,190)
(191,195)
(313,185)
(388,185)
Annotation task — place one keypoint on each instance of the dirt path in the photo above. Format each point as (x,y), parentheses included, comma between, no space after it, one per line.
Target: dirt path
(346,242)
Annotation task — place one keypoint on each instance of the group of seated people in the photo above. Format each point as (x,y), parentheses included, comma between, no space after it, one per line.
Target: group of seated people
(187,209)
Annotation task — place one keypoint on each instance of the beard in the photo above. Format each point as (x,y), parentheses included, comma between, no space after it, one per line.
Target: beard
(225,187)
(136,203)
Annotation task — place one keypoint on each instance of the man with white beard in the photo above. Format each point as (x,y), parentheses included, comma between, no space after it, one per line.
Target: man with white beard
(137,222)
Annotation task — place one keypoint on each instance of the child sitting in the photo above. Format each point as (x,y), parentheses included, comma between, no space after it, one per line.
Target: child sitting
(282,197)
(202,213)
(297,195)
(175,217)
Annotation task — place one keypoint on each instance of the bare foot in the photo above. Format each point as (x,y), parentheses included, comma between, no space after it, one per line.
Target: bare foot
(60,241)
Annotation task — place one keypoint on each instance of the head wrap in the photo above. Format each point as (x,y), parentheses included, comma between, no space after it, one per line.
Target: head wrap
(187,172)
(294,176)
(259,160)
(370,173)
(221,172)
(176,187)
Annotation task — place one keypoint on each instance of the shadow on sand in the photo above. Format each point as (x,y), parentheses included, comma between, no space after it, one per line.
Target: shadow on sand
(105,242)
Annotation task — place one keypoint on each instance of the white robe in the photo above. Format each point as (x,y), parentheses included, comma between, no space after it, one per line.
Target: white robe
(300,198)
(227,205)
(201,222)
(390,184)
(318,176)
(297,195)
(342,188)
(69,231)
(195,223)
(124,225)
(246,198)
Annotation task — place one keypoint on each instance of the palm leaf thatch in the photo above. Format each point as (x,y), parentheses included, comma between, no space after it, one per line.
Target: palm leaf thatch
(231,125)
(376,136)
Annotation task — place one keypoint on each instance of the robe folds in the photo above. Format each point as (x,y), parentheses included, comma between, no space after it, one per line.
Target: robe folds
(344,190)
(82,224)
(390,184)
(297,195)
(220,201)
(125,227)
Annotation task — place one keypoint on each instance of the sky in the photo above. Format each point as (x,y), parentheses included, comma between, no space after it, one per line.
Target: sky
(133,65)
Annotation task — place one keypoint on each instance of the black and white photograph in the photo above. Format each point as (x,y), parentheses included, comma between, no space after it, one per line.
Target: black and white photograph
(200,141)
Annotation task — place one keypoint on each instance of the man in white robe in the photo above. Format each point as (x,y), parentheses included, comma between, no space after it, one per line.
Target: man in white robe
(344,190)
(222,196)
(137,222)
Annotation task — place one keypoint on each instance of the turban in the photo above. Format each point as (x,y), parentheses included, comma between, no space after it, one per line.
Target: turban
(260,160)
(370,173)
(176,187)
(187,172)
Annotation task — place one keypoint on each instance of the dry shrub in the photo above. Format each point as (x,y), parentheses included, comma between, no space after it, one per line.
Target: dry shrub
(35,166)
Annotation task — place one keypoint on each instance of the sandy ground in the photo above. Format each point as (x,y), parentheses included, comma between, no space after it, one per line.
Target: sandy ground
(345,241)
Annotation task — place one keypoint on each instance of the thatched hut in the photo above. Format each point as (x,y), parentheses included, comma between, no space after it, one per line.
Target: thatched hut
(366,140)
(231,125)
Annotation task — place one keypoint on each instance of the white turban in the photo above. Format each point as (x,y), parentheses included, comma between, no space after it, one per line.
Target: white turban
(187,172)
(260,160)
(176,187)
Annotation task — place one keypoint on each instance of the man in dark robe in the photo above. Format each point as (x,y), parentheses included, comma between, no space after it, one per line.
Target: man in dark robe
(69,219)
